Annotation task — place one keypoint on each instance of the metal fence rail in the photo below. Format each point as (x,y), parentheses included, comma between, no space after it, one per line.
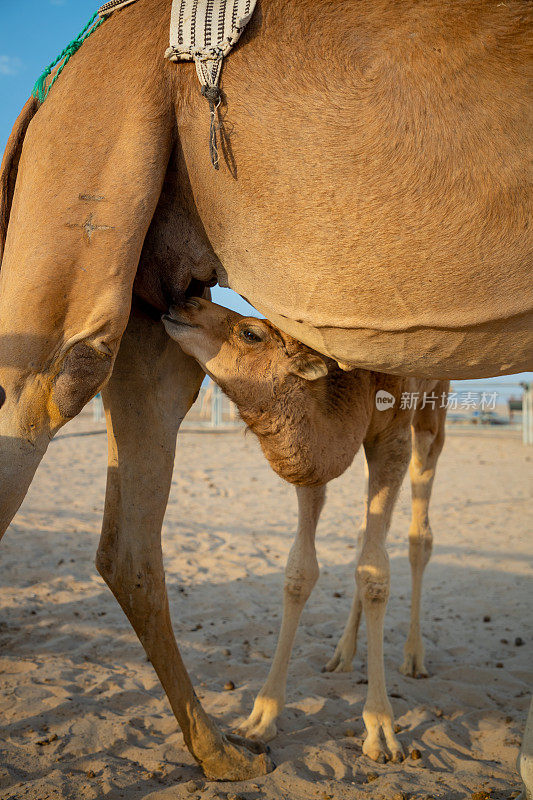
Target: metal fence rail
(212,409)
(527,414)
(513,404)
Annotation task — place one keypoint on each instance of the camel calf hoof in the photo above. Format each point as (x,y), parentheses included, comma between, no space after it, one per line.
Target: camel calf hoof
(261,724)
(381,744)
(237,759)
(258,729)
(380,753)
(338,664)
(342,658)
(413,666)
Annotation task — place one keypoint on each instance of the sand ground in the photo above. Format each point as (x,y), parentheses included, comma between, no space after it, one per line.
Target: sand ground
(83,716)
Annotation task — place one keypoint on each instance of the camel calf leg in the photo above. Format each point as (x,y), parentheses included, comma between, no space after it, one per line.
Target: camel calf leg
(428,441)
(301,574)
(344,654)
(525,758)
(387,457)
(151,389)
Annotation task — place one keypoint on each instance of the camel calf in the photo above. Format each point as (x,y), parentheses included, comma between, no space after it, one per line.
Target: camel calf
(311,419)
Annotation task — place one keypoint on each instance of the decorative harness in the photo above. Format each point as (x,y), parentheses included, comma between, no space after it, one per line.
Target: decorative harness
(203,31)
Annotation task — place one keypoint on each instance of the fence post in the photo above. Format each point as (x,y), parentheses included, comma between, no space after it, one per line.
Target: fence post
(216,407)
(527,414)
(98,408)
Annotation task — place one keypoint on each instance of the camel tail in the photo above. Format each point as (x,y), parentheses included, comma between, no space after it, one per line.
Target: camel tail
(9,168)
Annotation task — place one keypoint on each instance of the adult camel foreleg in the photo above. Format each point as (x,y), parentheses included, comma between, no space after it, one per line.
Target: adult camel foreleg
(387,457)
(151,389)
(301,574)
(428,441)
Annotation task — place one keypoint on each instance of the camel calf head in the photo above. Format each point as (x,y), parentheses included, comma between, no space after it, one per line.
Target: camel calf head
(276,383)
(250,359)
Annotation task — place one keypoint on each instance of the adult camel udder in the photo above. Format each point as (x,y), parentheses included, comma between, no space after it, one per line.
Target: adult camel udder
(372,203)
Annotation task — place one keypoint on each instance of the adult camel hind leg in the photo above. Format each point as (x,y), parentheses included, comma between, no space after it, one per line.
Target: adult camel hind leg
(151,389)
(301,574)
(428,441)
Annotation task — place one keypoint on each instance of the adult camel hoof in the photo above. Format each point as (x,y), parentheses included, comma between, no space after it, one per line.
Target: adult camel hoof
(237,759)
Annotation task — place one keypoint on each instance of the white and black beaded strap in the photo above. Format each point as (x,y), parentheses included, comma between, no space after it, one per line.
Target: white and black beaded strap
(204,31)
(113,5)
(206,28)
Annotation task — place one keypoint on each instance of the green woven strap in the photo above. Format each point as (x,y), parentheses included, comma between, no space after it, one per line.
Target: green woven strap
(41,89)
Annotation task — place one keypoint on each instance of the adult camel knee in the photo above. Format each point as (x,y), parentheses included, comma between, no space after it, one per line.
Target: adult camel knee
(38,402)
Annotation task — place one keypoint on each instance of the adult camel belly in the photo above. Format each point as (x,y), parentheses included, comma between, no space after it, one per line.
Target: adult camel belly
(374,201)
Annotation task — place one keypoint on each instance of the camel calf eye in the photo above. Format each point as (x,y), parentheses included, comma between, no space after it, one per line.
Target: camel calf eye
(250,336)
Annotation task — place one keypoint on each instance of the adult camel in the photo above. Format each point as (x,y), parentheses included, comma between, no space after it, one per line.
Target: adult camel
(372,201)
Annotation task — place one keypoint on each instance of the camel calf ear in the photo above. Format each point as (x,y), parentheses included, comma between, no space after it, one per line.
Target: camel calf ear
(308,366)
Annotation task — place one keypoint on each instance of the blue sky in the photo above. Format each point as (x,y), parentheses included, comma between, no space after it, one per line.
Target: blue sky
(32,33)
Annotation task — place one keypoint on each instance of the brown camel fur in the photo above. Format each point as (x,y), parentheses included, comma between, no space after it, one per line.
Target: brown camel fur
(311,419)
(372,202)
